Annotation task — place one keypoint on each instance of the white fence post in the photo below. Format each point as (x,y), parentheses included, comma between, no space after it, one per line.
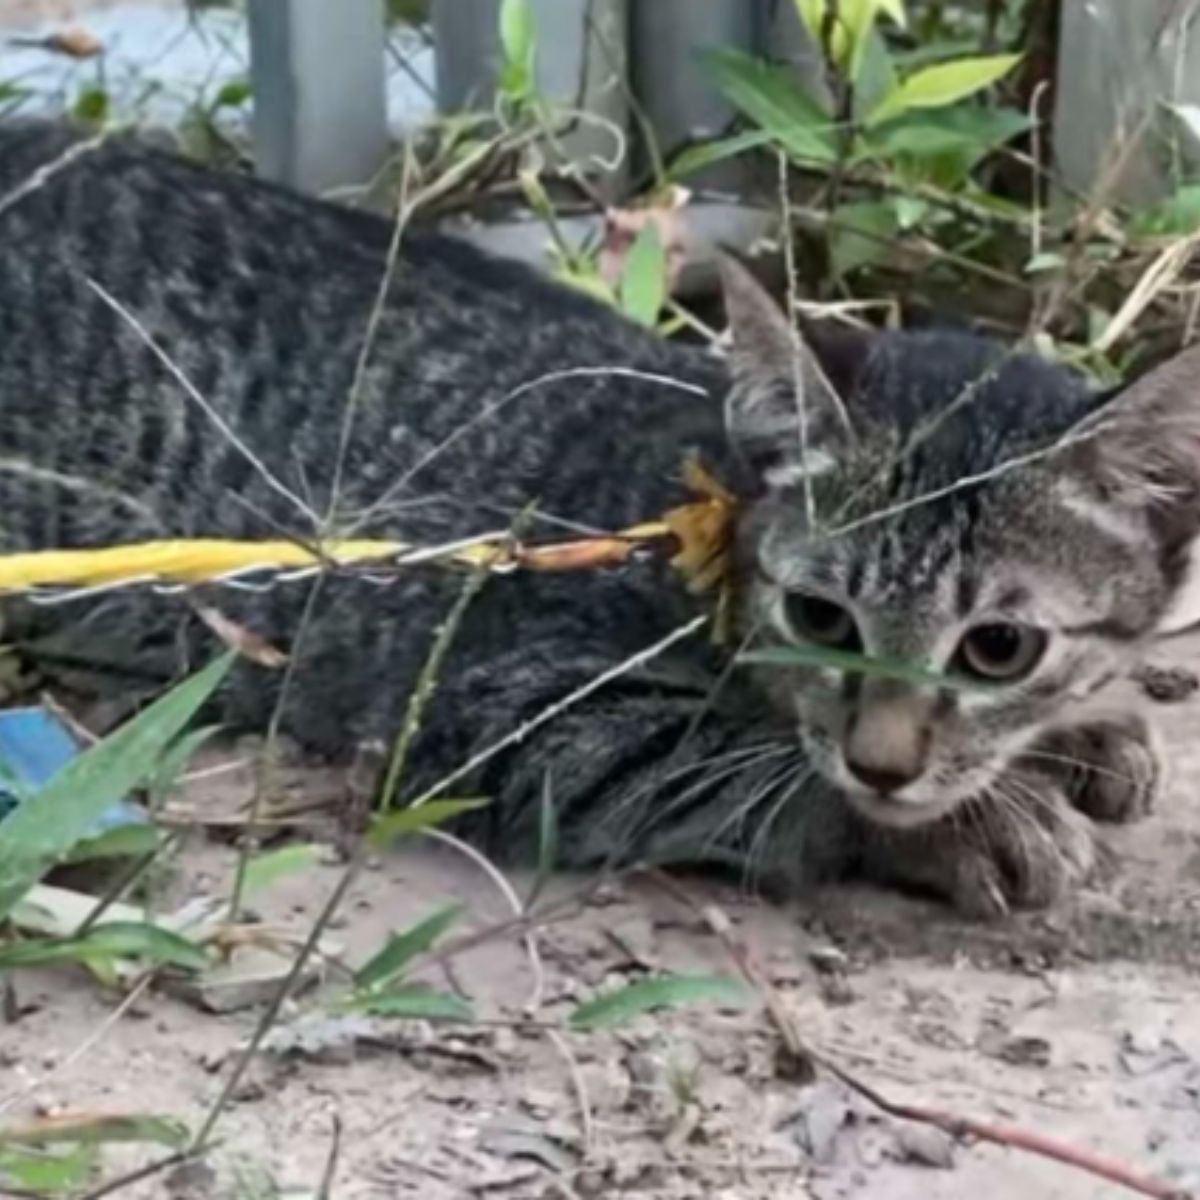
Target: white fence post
(320,105)
(1119,63)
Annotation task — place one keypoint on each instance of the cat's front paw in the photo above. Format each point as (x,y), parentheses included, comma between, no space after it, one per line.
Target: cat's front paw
(1019,858)
(1112,770)
(1024,849)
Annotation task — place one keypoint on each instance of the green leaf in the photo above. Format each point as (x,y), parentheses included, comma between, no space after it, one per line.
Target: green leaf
(127,841)
(812,14)
(402,948)
(174,762)
(97,1130)
(644,278)
(41,832)
(909,210)
(943,84)
(706,154)
(385,829)
(117,939)
(92,106)
(518,38)
(233,94)
(861,234)
(587,280)
(771,98)
(264,869)
(1177,216)
(415,1001)
(1047,260)
(875,74)
(954,129)
(669,991)
(859,664)
(858,19)
(50,1174)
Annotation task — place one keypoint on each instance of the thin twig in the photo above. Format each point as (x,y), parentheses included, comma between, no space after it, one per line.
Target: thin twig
(491,410)
(529,938)
(325,1189)
(552,711)
(40,177)
(958,1127)
(264,773)
(426,685)
(404,214)
(148,1171)
(271,1012)
(193,393)
(84,1047)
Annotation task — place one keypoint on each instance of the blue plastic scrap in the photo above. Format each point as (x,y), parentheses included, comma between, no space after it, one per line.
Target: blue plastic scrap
(34,746)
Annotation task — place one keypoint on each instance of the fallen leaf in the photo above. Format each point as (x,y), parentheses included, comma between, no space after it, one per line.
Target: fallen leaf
(245,641)
(622,226)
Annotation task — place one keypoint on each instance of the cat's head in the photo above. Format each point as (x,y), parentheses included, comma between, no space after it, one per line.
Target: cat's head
(939,501)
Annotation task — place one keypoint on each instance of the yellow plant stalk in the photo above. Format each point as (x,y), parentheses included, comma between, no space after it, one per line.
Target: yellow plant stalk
(698,535)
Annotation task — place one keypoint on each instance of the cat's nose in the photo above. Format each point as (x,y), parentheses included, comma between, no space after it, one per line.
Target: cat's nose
(883,780)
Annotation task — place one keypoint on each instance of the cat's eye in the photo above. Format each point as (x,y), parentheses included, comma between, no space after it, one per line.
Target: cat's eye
(821,621)
(1001,652)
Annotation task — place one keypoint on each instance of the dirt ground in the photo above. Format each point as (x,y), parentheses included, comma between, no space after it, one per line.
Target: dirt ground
(1080,1023)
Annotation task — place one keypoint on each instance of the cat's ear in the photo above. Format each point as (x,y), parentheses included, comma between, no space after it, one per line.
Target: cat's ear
(1139,454)
(784,413)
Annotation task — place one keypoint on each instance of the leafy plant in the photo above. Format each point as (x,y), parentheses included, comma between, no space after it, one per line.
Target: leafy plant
(51,825)
(56,1156)
(896,144)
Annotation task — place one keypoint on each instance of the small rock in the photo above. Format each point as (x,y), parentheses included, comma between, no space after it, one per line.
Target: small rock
(1016,1051)
(829,960)
(825,1114)
(926,1145)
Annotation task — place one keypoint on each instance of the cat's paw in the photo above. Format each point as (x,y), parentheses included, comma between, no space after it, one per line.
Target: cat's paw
(993,856)
(1023,858)
(1112,770)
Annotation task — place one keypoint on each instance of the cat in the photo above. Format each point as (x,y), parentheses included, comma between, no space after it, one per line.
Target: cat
(931,498)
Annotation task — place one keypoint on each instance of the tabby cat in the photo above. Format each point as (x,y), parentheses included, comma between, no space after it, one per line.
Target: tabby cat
(930,498)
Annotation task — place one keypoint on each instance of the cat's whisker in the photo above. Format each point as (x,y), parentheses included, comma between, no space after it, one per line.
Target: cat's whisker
(640,819)
(1078,764)
(742,811)
(755,854)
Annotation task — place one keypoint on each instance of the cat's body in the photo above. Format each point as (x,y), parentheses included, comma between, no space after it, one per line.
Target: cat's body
(488,389)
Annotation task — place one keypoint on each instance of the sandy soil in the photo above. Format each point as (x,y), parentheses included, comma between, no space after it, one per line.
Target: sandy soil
(1080,1023)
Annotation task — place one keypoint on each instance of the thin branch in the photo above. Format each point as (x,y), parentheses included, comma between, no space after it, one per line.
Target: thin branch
(209,411)
(959,1127)
(555,710)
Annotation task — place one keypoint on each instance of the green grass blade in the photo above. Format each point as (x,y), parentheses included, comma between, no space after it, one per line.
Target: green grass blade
(388,827)
(118,939)
(264,869)
(669,991)
(401,948)
(644,279)
(42,831)
(413,1001)
(859,664)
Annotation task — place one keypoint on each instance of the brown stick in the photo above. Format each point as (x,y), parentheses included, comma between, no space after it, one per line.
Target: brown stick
(959,1127)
